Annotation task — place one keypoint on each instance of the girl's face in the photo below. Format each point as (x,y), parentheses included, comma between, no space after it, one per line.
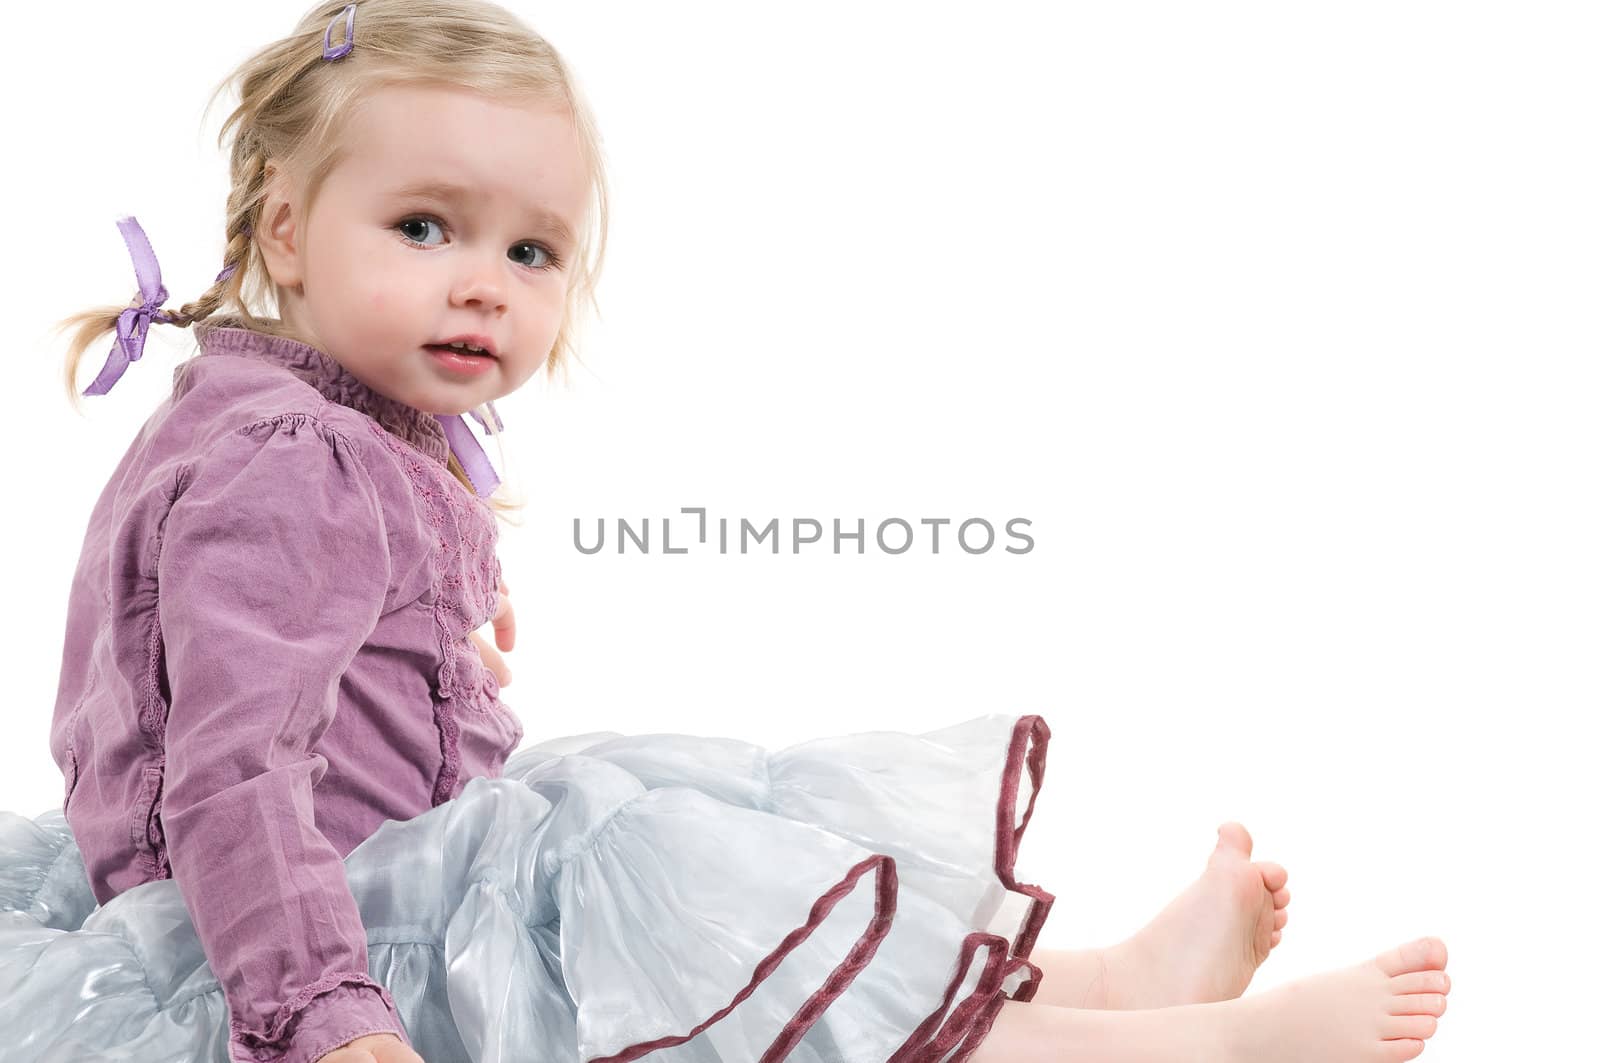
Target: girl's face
(387,262)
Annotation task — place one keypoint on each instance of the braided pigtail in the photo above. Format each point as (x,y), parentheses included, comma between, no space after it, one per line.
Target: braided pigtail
(243,204)
(235,260)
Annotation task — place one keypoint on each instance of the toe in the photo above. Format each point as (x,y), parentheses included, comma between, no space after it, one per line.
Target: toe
(1273,875)
(1279,918)
(1277,936)
(1417,1004)
(1420,982)
(1234,836)
(1402,1050)
(1396,1026)
(1423,954)
(1280,899)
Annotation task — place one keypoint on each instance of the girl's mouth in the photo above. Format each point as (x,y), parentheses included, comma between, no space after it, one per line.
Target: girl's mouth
(459,361)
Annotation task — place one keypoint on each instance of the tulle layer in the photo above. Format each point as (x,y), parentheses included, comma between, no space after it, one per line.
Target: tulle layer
(668,897)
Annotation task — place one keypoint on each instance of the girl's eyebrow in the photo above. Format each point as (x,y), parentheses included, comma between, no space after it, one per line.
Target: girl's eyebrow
(449,190)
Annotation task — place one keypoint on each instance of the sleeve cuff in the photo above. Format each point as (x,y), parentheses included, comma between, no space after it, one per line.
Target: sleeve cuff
(348,1009)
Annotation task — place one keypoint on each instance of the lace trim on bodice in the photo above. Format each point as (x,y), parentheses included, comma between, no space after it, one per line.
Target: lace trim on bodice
(466,593)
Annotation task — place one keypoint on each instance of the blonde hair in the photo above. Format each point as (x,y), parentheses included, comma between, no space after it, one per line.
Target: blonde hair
(293,107)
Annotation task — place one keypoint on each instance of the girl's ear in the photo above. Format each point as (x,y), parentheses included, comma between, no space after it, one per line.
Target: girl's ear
(277,235)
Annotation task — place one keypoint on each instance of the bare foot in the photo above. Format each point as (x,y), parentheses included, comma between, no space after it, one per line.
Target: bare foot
(1206,945)
(1380,1011)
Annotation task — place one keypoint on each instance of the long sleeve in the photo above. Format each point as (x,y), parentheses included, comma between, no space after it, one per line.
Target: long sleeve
(273,570)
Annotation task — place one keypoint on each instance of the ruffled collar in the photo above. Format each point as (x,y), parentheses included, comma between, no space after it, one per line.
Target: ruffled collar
(227,334)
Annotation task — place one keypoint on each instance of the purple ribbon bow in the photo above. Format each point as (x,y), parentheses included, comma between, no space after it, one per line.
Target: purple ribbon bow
(133,325)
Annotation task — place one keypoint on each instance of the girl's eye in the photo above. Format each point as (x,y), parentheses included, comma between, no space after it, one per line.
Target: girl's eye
(424,222)
(551,260)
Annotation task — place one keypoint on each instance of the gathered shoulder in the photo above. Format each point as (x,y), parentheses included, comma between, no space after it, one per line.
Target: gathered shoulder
(243,417)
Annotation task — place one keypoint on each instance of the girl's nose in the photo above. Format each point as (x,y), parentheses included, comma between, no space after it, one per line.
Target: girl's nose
(482,283)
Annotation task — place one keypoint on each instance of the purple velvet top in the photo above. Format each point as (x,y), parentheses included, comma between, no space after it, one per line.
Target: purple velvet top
(266,657)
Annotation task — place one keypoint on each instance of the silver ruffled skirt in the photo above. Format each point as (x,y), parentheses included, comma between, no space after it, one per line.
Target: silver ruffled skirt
(663,897)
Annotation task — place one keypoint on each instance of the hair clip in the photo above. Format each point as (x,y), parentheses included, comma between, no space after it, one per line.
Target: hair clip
(328,50)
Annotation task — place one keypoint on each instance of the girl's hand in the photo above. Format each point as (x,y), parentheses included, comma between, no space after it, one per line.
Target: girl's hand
(373,1048)
(505,636)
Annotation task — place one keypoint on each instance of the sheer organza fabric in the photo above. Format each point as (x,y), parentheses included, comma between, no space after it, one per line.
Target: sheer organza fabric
(668,897)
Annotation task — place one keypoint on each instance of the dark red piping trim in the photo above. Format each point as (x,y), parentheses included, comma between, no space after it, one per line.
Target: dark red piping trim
(965,1014)
(916,1046)
(991,1009)
(972,1018)
(1026,990)
(1007,838)
(885,891)
(980,1029)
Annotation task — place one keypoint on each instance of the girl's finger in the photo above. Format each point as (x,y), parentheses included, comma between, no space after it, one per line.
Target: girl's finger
(492,660)
(505,625)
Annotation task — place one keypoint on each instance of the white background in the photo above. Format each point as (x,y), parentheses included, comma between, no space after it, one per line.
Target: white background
(1277,321)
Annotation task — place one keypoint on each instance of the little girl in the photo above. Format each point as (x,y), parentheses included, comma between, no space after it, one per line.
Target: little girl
(293,826)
